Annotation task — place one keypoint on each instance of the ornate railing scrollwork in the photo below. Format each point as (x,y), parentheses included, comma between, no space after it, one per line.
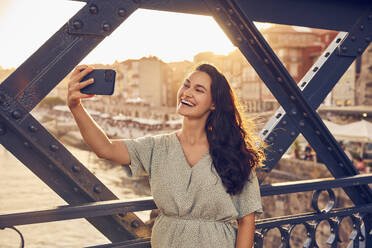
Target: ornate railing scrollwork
(22,245)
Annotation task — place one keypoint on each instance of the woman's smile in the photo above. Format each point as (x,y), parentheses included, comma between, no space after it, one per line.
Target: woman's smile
(187,103)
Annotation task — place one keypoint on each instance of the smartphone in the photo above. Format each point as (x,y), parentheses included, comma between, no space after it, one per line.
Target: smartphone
(104,82)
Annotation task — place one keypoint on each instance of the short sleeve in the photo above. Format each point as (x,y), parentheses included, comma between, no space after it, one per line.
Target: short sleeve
(249,200)
(141,154)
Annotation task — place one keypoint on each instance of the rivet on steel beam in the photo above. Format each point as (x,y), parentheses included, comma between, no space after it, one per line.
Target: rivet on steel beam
(239,39)
(292,134)
(134,224)
(315,69)
(280,150)
(292,97)
(2,129)
(97,189)
(278,115)
(368,39)
(75,189)
(341,164)
(16,114)
(122,12)
(76,168)
(317,132)
(279,79)
(2,99)
(229,24)
(353,38)
(303,84)
(266,61)
(284,123)
(271,138)
(359,50)
(294,112)
(241,27)
(32,128)
(302,123)
(77,25)
(370,17)
(106,27)
(305,114)
(26,144)
(53,148)
(231,11)
(329,148)
(51,166)
(252,41)
(361,27)
(344,49)
(218,8)
(265,132)
(93,9)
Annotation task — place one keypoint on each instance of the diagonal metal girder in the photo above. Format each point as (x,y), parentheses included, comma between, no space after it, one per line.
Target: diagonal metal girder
(231,16)
(32,144)
(245,35)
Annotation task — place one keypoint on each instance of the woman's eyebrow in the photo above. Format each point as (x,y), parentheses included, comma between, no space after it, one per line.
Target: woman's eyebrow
(197,85)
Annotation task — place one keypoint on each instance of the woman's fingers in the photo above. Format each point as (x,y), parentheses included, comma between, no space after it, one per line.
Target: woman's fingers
(82,95)
(81,85)
(78,69)
(80,72)
(77,95)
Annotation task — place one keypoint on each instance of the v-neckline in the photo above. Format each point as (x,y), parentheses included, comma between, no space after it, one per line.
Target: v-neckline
(184,155)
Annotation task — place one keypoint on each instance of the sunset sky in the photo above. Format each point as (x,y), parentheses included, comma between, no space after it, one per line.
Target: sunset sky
(25,25)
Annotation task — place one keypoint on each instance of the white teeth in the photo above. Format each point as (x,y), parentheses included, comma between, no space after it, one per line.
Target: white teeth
(187,103)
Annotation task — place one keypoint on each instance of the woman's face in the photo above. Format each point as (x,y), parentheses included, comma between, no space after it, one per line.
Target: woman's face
(194,97)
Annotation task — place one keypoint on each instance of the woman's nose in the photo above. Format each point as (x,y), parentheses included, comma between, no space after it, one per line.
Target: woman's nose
(188,92)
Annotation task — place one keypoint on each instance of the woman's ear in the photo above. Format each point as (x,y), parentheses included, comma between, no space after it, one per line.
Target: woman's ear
(213,107)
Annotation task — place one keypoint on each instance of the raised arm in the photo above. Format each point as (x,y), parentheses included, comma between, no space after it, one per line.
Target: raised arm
(93,135)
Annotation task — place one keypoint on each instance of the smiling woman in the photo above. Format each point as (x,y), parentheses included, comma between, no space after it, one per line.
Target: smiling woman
(202,176)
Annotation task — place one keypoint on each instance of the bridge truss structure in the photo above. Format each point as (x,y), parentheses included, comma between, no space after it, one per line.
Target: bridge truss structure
(46,157)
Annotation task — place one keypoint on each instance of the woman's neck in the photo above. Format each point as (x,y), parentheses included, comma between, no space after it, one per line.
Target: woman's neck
(193,131)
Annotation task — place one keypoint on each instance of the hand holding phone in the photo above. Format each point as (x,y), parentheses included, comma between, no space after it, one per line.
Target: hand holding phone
(104,82)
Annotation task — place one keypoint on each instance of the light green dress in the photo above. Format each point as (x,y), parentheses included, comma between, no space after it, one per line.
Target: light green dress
(195,210)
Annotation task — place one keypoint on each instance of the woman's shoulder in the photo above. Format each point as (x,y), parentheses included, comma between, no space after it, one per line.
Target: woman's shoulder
(162,138)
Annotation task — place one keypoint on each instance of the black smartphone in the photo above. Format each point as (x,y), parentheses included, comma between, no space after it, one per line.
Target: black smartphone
(104,82)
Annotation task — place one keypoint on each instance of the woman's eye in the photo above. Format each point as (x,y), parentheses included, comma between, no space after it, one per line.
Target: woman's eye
(185,85)
(199,90)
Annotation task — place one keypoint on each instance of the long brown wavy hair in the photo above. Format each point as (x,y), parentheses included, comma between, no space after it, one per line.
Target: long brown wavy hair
(234,148)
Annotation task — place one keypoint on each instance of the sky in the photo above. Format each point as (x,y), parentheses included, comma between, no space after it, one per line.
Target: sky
(26,24)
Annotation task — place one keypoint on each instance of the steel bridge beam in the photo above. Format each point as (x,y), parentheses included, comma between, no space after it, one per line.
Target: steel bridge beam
(326,14)
(22,135)
(32,144)
(238,25)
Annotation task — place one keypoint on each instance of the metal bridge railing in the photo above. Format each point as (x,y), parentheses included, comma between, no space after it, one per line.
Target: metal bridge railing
(285,224)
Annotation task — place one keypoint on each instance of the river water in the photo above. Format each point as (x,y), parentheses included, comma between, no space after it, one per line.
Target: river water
(21,190)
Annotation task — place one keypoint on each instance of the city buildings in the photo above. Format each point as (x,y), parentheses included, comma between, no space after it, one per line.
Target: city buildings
(149,79)
(149,85)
